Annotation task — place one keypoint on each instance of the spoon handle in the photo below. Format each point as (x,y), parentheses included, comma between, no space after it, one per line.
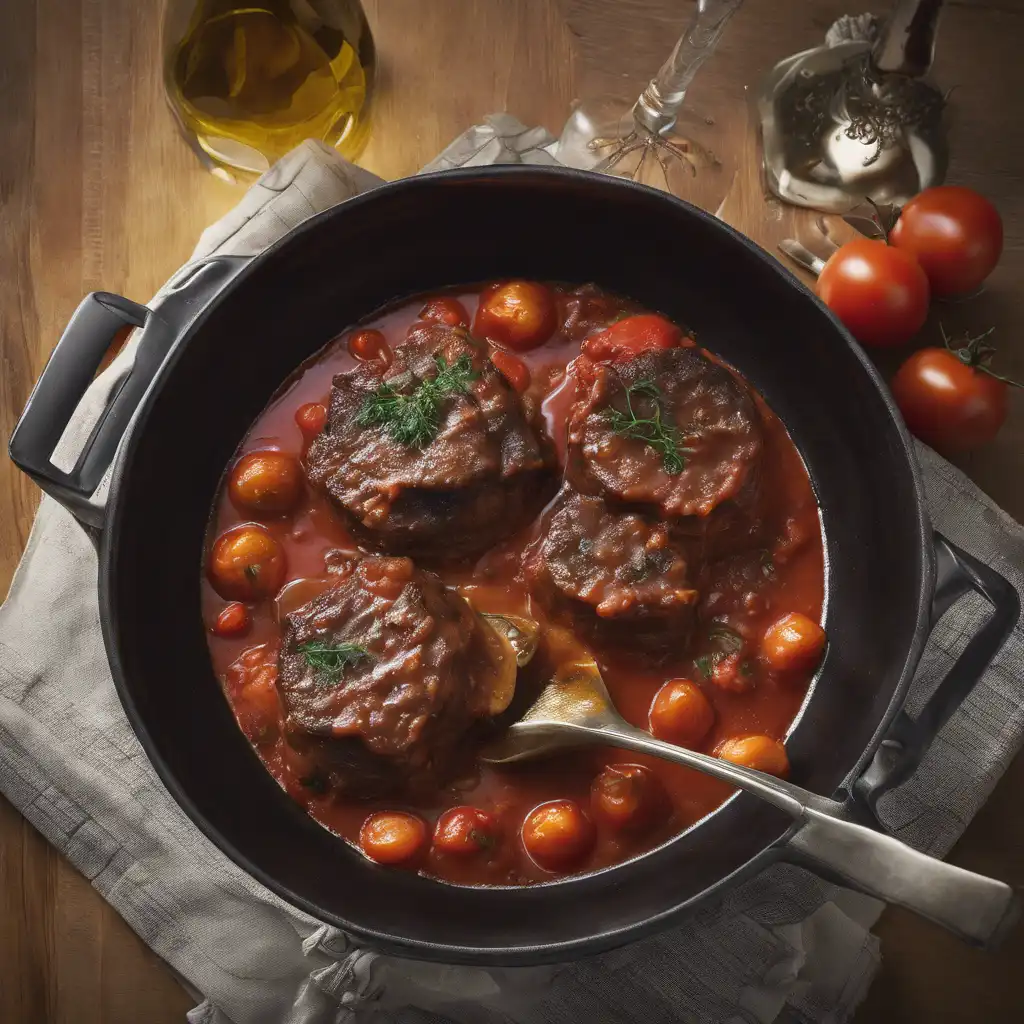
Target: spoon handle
(978,909)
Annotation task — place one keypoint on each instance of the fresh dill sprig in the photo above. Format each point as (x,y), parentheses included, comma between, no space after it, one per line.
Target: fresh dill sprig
(329,661)
(414,419)
(664,438)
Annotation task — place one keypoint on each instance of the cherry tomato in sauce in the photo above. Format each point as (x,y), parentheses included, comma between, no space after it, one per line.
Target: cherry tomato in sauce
(465,831)
(311,418)
(761,753)
(681,713)
(247,563)
(948,402)
(256,703)
(878,291)
(793,644)
(514,370)
(445,310)
(392,837)
(558,835)
(516,314)
(627,797)
(266,483)
(622,341)
(955,233)
(370,345)
(233,620)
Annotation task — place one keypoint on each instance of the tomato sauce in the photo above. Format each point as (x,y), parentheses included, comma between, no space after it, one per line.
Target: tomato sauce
(745,591)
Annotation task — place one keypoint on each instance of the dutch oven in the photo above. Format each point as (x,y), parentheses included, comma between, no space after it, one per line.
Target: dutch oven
(216,346)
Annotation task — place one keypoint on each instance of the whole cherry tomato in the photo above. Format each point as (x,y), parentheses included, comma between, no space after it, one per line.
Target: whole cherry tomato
(465,831)
(619,343)
(956,235)
(680,713)
(266,482)
(370,345)
(445,310)
(517,314)
(311,418)
(628,797)
(761,753)
(392,837)
(878,291)
(793,644)
(949,399)
(247,563)
(558,835)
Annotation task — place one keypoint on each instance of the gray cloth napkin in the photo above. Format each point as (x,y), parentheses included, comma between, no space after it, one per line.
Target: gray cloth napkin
(784,946)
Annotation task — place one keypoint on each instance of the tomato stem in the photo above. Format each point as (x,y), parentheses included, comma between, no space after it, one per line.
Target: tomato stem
(975,353)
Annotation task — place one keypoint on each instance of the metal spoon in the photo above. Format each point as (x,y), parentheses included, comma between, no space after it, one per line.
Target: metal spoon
(575,709)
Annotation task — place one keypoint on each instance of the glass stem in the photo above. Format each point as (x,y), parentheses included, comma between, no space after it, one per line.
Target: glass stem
(660,102)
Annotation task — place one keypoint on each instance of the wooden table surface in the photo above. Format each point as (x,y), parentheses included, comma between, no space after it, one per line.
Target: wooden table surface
(98,192)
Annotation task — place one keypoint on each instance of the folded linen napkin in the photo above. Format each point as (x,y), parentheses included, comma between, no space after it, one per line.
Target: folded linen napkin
(785,946)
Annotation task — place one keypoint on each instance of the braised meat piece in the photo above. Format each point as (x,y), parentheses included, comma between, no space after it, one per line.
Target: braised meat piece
(618,576)
(432,456)
(382,676)
(668,429)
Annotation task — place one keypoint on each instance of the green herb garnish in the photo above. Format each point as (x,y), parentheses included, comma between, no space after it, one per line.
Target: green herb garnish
(665,439)
(706,664)
(329,661)
(413,420)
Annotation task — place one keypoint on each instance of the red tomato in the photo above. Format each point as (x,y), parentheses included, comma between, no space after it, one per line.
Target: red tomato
(558,835)
(761,753)
(956,235)
(681,713)
(517,314)
(627,797)
(392,837)
(232,621)
(622,341)
(878,291)
(793,644)
(268,483)
(370,345)
(247,563)
(466,830)
(948,400)
(445,310)
(311,418)
(514,370)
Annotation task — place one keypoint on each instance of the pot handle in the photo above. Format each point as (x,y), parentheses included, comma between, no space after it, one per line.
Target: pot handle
(73,364)
(63,382)
(907,739)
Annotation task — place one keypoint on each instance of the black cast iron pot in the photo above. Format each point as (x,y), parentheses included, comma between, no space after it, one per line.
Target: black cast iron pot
(227,334)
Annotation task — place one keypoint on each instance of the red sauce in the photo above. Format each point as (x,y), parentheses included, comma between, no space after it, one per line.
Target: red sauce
(787,576)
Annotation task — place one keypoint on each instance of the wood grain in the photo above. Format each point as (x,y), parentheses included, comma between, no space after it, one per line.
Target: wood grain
(97,191)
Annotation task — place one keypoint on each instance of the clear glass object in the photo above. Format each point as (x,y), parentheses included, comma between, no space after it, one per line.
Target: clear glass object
(247,82)
(855,118)
(658,141)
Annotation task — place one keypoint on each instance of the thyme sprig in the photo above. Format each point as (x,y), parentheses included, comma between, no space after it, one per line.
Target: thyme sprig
(414,419)
(329,661)
(652,429)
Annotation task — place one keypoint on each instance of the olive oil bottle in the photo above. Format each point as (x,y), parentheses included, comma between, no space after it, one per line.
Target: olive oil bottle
(249,82)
